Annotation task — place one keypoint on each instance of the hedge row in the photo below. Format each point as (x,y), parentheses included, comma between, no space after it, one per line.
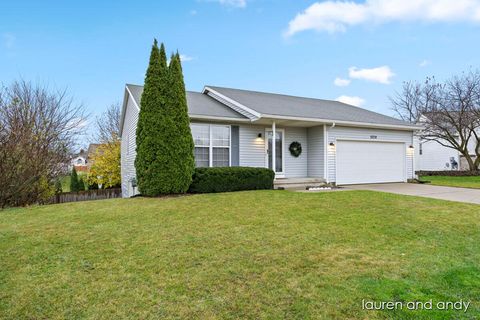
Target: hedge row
(225,179)
(450,173)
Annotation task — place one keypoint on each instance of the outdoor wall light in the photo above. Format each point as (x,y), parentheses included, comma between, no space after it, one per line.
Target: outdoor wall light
(259,135)
(410,146)
(332,144)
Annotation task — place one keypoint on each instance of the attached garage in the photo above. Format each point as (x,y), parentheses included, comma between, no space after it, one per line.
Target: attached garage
(370,162)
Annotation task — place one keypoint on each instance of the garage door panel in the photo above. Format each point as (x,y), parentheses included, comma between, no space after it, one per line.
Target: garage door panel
(370,162)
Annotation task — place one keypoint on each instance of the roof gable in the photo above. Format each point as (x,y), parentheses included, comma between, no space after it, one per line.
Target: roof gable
(198,104)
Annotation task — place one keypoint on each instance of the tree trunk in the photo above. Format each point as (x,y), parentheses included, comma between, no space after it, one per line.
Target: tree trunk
(472,165)
(476,164)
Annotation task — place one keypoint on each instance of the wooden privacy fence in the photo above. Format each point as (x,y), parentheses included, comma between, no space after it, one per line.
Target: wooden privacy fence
(87,195)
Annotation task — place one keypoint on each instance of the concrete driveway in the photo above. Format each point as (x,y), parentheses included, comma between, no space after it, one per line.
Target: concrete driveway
(424,190)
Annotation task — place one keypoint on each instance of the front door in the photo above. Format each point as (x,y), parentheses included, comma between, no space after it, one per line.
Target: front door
(279,165)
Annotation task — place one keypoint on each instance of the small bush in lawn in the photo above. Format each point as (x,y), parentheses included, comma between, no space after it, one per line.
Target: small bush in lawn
(58,186)
(81,184)
(74,186)
(93,186)
(225,179)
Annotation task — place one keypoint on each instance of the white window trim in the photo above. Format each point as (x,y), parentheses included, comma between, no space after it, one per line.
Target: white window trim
(210,142)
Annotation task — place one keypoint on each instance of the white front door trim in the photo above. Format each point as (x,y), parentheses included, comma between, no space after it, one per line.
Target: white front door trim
(277,174)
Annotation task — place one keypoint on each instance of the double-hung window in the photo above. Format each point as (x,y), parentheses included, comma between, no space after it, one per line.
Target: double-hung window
(212,145)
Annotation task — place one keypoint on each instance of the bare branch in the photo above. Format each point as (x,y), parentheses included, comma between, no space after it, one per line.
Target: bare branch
(449,111)
(38,130)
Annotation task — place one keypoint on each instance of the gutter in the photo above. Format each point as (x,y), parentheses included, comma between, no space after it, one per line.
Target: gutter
(346,123)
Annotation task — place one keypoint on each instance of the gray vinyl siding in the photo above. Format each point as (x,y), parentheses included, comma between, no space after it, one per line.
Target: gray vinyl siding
(339,132)
(316,149)
(252,148)
(128,149)
(296,167)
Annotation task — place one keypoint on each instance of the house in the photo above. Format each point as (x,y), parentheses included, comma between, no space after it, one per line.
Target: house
(340,143)
(79,161)
(92,149)
(433,156)
(436,156)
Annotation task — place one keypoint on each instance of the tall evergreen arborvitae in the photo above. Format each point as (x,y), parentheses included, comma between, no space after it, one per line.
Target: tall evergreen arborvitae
(164,155)
(183,163)
(151,104)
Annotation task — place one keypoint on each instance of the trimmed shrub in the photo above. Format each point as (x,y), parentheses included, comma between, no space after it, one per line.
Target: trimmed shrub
(225,179)
(450,173)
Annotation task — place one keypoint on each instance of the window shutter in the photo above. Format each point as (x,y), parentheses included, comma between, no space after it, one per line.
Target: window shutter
(235,146)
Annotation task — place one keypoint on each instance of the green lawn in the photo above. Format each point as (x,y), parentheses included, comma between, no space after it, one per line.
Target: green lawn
(253,255)
(65,181)
(464,182)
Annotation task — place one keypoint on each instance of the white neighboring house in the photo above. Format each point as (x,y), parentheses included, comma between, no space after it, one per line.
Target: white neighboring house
(79,160)
(433,156)
(341,143)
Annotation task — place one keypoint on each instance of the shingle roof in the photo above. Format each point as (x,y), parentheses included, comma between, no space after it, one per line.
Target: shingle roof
(285,105)
(198,104)
(280,105)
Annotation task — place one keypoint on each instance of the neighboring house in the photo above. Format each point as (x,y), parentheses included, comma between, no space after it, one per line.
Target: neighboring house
(341,143)
(435,156)
(79,161)
(83,160)
(432,156)
(92,149)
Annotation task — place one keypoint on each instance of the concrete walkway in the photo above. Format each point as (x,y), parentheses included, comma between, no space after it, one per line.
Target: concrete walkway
(424,190)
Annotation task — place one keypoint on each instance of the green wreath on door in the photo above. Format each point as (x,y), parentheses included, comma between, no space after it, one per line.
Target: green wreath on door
(295,149)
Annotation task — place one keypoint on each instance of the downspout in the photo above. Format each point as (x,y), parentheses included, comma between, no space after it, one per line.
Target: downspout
(274,145)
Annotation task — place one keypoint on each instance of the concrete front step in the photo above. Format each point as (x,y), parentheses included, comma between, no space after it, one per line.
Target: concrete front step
(298,183)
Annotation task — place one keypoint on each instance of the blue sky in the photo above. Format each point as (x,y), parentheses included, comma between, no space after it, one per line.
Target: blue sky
(294,47)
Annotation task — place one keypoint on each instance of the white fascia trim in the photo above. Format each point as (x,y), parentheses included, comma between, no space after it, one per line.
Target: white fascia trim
(131,96)
(237,104)
(346,123)
(204,117)
(127,95)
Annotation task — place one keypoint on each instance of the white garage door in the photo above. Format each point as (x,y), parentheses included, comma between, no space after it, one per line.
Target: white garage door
(370,162)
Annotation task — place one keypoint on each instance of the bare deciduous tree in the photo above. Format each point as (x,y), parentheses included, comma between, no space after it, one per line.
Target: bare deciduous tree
(38,129)
(107,126)
(449,112)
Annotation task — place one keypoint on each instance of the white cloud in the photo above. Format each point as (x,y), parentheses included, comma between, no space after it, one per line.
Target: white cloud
(337,16)
(339,82)
(354,101)
(424,63)
(232,3)
(8,40)
(185,58)
(381,74)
